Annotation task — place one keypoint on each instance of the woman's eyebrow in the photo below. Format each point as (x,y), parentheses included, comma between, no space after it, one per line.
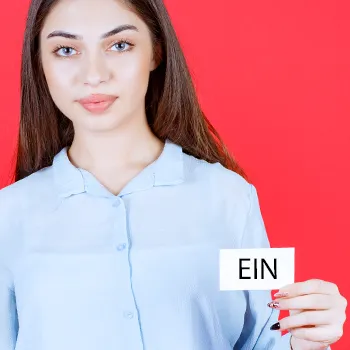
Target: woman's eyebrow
(114,31)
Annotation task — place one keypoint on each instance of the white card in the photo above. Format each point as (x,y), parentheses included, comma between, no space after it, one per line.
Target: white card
(256,269)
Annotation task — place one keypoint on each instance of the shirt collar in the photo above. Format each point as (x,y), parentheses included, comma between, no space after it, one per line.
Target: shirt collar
(166,170)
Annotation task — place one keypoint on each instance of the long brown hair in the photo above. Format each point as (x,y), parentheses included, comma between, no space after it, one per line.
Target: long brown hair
(172,107)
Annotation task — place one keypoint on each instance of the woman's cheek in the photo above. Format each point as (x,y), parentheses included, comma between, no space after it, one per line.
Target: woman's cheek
(60,81)
(139,79)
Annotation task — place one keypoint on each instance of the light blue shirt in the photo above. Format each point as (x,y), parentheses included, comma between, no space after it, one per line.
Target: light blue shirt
(82,268)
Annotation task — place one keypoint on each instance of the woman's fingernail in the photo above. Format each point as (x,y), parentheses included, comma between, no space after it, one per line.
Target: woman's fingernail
(275,326)
(281,294)
(274,304)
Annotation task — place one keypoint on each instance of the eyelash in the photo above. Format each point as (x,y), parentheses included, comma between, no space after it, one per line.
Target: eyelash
(122,41)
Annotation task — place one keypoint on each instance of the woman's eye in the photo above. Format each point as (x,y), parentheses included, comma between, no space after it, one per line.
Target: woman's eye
(65,51)
(120,46)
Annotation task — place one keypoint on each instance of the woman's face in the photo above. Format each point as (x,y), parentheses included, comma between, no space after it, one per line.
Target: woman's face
(89,61)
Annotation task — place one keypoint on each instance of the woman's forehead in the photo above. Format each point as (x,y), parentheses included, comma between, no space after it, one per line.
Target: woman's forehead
(94,17)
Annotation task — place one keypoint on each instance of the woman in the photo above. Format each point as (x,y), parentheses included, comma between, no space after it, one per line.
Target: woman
(124,195)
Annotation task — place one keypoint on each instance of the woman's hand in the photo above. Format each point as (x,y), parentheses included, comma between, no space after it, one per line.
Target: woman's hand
(316,316)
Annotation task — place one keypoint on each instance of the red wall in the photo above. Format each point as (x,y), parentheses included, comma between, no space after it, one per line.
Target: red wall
(273,77)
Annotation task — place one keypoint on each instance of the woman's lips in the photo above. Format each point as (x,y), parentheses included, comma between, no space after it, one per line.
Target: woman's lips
(97,103)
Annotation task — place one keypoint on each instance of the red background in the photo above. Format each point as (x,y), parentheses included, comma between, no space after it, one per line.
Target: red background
(274,78)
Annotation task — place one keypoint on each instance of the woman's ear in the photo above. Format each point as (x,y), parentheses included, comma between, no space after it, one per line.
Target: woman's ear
(157,56)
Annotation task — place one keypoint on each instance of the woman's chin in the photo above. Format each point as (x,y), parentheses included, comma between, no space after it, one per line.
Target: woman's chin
(107,122)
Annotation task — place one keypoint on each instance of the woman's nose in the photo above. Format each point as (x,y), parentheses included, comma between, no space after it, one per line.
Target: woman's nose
(96,71)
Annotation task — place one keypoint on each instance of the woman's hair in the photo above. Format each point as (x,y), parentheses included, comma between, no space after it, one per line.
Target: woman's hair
(172,107)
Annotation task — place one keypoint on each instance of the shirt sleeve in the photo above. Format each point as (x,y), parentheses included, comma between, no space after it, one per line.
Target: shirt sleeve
(8,312)
(256,334)
(8,309)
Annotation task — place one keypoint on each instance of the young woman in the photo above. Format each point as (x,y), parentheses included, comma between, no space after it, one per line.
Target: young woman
(124,195)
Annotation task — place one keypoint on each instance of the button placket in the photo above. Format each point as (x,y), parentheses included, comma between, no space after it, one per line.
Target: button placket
(121,247)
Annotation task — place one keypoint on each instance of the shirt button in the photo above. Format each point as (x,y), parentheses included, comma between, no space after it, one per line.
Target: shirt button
(128,314)
(121,247)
